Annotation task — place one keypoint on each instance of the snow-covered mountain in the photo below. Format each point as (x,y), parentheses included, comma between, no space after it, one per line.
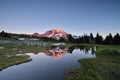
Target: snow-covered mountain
(55,33)
(56,52)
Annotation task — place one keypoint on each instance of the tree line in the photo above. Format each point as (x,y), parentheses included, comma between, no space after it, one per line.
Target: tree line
(4,34)
(98,39)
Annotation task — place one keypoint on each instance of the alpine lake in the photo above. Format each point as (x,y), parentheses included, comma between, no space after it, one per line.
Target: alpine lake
(47,64)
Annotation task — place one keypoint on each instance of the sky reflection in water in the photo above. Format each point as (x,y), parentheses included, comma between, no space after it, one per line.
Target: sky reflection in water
(48,65)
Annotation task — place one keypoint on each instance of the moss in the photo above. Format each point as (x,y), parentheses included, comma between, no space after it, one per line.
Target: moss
(6,62)
(105,66)
(12,59)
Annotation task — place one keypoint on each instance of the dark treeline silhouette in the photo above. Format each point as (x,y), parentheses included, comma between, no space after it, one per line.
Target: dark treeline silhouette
(98,39)
(82,48)
(4,34)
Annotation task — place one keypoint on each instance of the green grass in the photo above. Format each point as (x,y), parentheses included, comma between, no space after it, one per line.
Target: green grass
(105,66)
(6,62)
(20,49)
(89,71)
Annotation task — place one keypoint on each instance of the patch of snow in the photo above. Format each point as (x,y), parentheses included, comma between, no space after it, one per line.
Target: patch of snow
(2,48)
(58,44)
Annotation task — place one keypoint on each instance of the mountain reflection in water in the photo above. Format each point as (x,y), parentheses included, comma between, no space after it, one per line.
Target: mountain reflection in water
(58,52)
(43,67)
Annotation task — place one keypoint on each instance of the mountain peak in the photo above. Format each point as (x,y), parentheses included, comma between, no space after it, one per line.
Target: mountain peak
(55,33)
(57,29)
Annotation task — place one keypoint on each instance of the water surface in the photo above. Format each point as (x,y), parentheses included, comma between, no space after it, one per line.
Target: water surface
(48,65)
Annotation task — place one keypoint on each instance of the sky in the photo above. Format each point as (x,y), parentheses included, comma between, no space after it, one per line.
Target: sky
(73,16)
